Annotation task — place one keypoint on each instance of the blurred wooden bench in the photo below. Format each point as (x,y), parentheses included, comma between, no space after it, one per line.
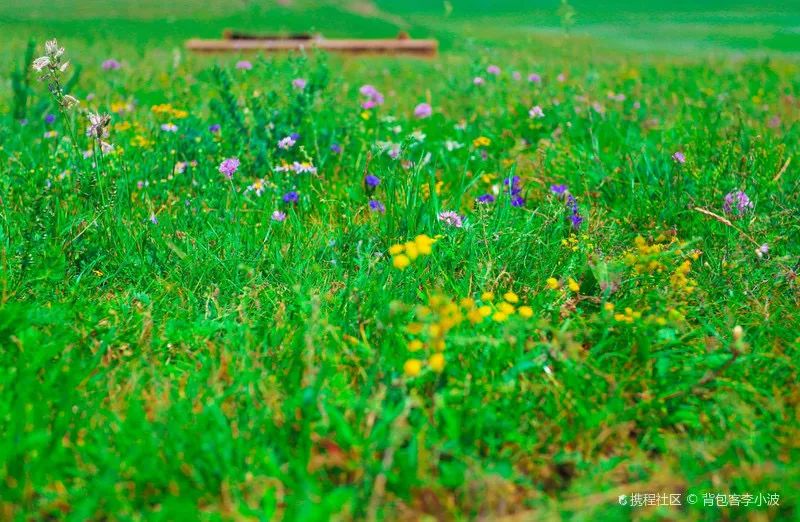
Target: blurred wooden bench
(234,41)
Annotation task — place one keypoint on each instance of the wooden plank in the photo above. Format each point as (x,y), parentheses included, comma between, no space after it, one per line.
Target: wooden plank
(421,48)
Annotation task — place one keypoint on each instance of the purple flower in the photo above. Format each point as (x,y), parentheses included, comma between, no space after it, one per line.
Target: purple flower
(516,75)
(493,69)
(291,197)
(299,83)
(485,199)
(153,219)
(277,215)
(451,218)
(536,112)
(229,166)
(679,157)
(244,65)
(374,97)
(558,189)
(368,90)
(423,110)
(574,213)
(534,78)
(371,181)
(336,148)
(478,80)
(737,201)
(286,143)
(49,119)
(215,128)
(513,185)
(376,206)
(169,127)
(111,65)
(517,201)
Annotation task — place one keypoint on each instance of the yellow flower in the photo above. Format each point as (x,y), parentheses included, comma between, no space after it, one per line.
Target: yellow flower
(467,302)
(415,345)
(396,249)
(412,367)
(506,308)
(573,285)
(487,296)
(485,311)
(414,328)
(525,311)
(499,317)
(436,362)
(475,316)
(401,261)
(553,284)
(481,141)
(609,307)
(511,297)
(411,250)
(365,115)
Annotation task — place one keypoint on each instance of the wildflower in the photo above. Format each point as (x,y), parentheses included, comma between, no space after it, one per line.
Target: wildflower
(559,190)
(169,127)
(371,181)
(111,65)
(153,219)
(291,197)
(50,134)
(244,65)
(436,362)
(737,201)
(374,97)
(679,157)
(516,75)
(336,148)
(278,216)
(552,283)
(451,145)
(229,166)
(511,297)
(485,199)
(517,201)
(423,110)
(525,311)
(49,119)
(98,126)
(534,78)
(573,285)
(574,216)
(299,83)
(451,218)
(215,128)
(376,206)
(499,317)
(286,143)
(487,296)
(478,80)
(412,367)
(762,250)
(536,112)
(493,70)
(401,261)
(41,63)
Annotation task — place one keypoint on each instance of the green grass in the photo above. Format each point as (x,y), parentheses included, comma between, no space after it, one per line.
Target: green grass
(168,351)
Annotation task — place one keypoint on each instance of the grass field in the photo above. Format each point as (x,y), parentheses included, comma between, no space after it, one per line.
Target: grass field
(554,266)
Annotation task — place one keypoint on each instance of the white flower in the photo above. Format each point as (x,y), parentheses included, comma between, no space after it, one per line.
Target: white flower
(451,145)
(68,101)
(97,125)
(41,63)
(64,66)
(52,49)
(536,112)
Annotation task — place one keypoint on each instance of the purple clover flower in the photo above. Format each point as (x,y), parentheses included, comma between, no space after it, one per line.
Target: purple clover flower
(451,218)
(679,157)
(493,70)
(111,65)
(244,65)
(737,201)
(279,216)
(299,83)
(423,110)
(229,166)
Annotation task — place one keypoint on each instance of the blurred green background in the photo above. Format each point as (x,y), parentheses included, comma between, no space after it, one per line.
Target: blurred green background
(675,27)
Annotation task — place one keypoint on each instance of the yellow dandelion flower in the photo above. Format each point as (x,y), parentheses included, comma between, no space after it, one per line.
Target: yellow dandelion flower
(609,307)
(396,249)
(401,261)
(436,362)
(525,311)
(414,328)
(553,284)
(506,308)
(511,297)
(414,345)
(412,367)
(467,302)
(485,311)
(499,317)
(411,250)
(487,296)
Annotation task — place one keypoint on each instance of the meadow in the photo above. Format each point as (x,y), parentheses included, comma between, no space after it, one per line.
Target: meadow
(538,277)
